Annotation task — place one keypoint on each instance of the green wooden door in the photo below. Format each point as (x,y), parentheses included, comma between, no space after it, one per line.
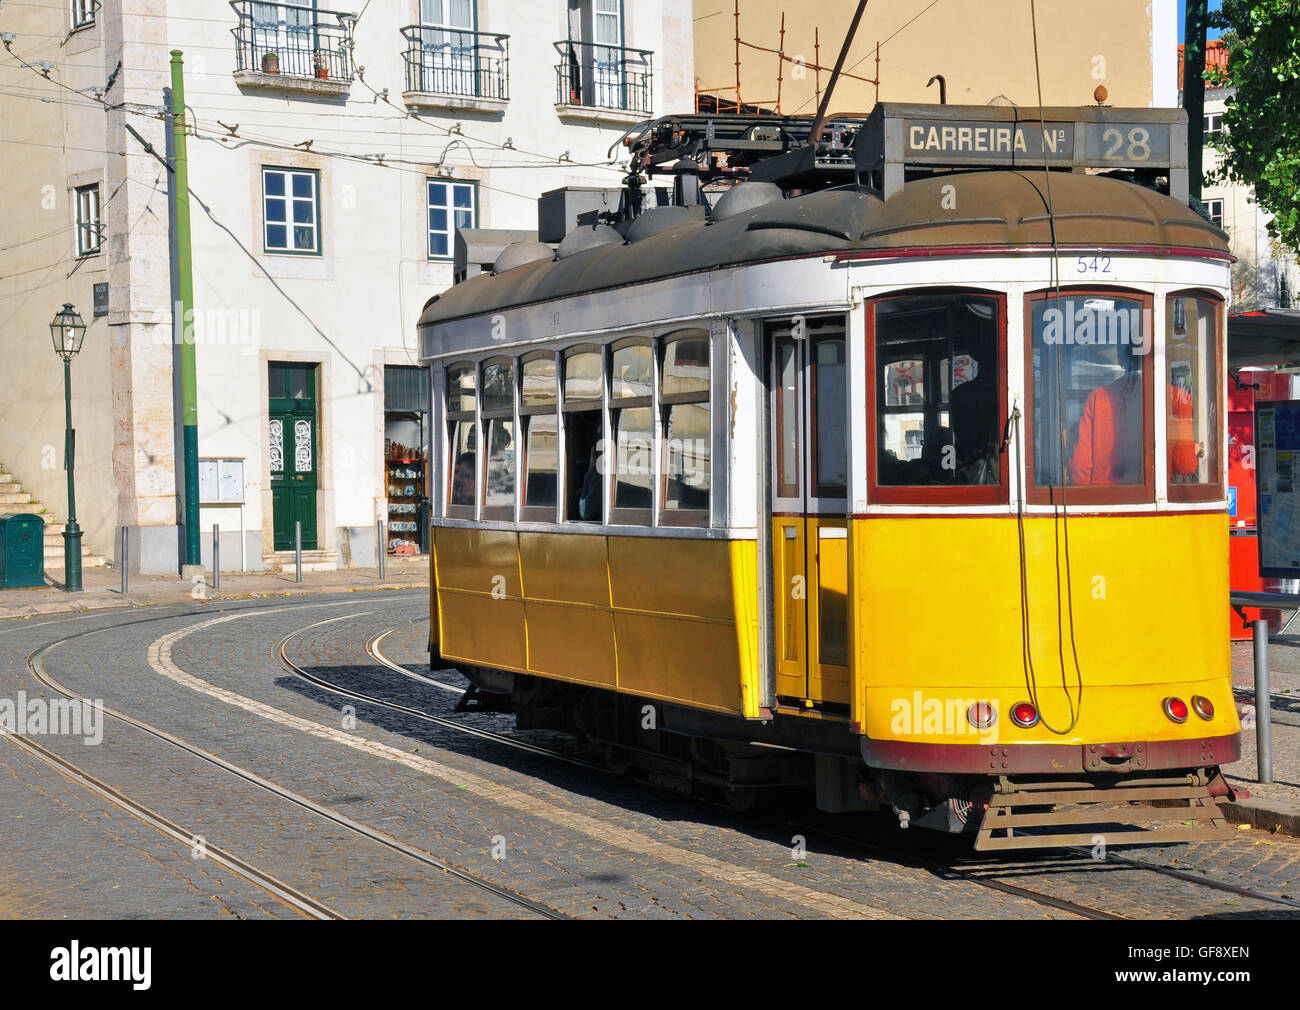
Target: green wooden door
(294,451)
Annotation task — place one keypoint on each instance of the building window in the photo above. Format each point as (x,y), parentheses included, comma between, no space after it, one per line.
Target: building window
(88,224)
(452,205)
(1090,397)
(1214,208)
(83,13)
(684,406)
(291,202)
(1192,398)
(1212,124)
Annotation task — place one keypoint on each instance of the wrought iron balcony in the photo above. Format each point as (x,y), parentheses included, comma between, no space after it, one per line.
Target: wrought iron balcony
(457,63)
(594,76)
(295,43)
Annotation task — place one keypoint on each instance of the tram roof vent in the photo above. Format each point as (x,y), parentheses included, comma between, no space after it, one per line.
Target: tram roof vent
(745,197)
(516,254)
(661,219)
(581,239)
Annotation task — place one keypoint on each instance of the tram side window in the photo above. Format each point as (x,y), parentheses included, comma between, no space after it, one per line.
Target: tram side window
(583,436)
(1089,396)
(631,424)
(684,403)
(1192,397)
(462,435)
(938,390)
(498,409)
(540,423)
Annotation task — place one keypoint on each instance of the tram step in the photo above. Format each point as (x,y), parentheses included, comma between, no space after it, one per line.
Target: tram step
(1182,809)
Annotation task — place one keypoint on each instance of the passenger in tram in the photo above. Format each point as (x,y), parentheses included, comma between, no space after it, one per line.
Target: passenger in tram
(462,484)
(589,500)
(1108,449)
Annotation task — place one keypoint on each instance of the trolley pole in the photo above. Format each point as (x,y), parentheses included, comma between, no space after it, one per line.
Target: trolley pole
(185,306)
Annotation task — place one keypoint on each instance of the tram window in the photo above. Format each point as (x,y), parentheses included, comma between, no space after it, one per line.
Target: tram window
(1090,396)
(938,379)
(460,389)
(684,402)
(787,446)
(464,446)
(541,463)
(583,465)
(1192,397)
(539,382)
(497,410)
(499,486)
(584,436)
(633,466)
(830,415)
(462,435)
(539,421)
(686,477)
(632,427)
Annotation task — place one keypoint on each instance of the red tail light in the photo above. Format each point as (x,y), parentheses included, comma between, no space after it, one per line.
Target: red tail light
(1203,706)
(1025,715)
(1176,709)
(981,715)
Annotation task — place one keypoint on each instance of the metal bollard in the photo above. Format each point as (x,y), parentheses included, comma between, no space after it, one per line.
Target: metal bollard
(297,550)
(381,549)
(124,562)
(216,556)
(1263,708)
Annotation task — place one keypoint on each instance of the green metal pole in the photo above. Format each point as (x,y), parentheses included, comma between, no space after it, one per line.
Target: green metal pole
(71,532)
(1196,17)
(189,380)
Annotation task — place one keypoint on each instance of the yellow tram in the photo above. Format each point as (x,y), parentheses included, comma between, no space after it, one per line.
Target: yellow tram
(896,469)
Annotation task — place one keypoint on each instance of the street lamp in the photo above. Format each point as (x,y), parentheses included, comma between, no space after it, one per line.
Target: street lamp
(67,331)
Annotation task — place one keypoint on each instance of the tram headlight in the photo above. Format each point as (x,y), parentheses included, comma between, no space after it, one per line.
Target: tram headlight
(1024,715)
(1203,706)
(1176,709)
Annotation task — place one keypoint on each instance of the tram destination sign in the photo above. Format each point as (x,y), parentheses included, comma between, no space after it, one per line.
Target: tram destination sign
(896,137)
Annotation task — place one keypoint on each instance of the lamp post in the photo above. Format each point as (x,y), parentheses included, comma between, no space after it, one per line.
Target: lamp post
(67,330)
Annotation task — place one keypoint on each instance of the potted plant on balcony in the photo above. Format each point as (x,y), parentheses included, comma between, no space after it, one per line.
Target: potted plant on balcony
(320,64)
(271,62)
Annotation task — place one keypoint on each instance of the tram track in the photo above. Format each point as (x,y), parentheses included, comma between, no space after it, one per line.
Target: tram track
(971,874)
(295,898)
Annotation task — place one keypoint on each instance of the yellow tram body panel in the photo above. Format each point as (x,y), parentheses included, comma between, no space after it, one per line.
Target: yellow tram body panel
(658,617)
(1148,618)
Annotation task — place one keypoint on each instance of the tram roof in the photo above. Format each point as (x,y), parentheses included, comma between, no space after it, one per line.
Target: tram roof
(994,209)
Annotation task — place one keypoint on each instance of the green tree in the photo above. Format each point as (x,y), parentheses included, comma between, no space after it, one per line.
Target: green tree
(1261,138)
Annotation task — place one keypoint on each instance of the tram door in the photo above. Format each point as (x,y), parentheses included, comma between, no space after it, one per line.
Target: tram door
(809,472)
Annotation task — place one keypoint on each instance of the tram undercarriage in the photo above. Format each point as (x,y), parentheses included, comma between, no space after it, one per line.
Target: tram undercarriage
(743,763)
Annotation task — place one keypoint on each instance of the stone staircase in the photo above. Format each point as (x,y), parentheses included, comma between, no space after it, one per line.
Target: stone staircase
(14,499)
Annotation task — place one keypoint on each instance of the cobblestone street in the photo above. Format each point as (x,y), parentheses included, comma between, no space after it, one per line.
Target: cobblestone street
(249,732)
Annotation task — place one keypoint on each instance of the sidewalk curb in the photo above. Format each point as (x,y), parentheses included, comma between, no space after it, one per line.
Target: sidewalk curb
(1259,814)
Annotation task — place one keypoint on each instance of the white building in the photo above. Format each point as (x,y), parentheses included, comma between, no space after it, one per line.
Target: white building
(331,159)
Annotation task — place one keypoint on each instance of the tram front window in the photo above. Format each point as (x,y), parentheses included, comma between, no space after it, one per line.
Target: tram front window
(1089,392)
(937,390)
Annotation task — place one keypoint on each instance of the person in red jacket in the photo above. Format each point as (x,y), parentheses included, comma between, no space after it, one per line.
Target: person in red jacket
(1109,446)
